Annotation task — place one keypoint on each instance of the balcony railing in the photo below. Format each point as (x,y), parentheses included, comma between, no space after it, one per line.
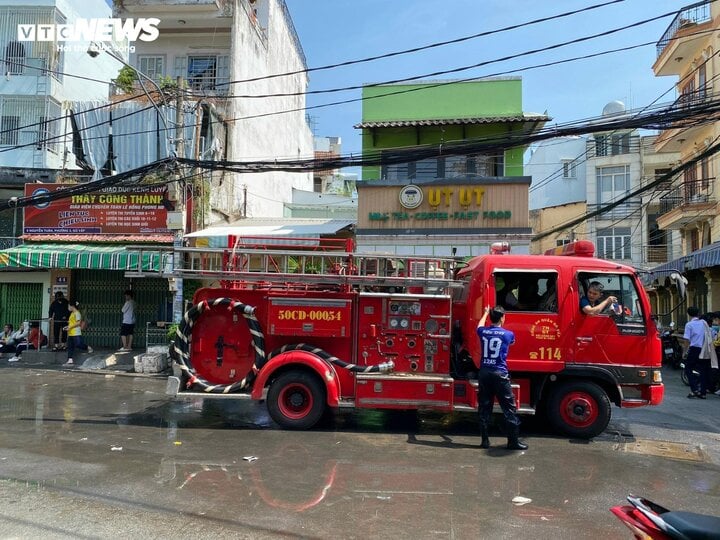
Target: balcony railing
(696,97)
(204,84)
(693,14)
(690,192)
(657,253)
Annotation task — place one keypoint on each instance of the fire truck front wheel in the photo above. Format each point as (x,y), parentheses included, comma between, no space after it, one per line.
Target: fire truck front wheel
(579,409)
(296,400)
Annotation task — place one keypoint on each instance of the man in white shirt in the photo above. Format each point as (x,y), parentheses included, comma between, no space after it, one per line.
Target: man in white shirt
(695,334)
(127,328)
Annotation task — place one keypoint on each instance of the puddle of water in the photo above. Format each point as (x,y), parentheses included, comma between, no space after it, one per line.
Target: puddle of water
(664,449)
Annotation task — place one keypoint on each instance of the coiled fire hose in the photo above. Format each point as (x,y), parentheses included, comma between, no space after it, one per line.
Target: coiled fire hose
(180,350)
(385,367)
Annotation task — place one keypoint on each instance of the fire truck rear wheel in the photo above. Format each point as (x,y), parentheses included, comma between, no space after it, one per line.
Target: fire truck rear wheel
(296,400)
(579,409)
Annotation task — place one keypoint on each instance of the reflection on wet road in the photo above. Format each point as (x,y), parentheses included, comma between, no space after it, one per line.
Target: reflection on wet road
(119,453)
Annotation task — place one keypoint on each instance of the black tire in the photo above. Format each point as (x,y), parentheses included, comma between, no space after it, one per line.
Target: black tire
(579,409)
(684,378)
(296,400)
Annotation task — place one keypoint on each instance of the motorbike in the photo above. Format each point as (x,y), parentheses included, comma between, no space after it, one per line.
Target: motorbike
(650,521)
(672,350)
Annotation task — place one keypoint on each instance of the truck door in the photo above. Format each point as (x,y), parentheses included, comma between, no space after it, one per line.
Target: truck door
(530,298)
(612,338)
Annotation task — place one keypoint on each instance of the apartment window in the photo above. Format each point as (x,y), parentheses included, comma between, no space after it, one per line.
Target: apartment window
(612,145)
(9,130)
(687,93)
(665,184)
(614,243)
(48,135)
(447,167)
(487,164)
(694,240)
(43,132)
(702,82)
(202,72)
(14,58)
(705,174)
(612,183)
(152,66)
(568,166)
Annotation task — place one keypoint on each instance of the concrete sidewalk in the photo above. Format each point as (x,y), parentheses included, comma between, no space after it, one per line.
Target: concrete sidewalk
(104,360)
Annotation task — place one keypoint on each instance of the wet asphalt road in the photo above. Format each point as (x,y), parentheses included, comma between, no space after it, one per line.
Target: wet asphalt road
(98,456)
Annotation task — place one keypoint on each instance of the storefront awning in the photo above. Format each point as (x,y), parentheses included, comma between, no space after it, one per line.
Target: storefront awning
(705,257)
(273,231)
(77,256)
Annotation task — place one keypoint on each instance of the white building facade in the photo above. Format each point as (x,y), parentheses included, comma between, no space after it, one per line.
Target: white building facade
(39,78)
(603,169)
(226,53)
(558,172)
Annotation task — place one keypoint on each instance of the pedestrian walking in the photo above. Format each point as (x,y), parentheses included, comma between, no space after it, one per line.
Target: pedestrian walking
(699,336)
(74,330)
(494,378)
(59,314)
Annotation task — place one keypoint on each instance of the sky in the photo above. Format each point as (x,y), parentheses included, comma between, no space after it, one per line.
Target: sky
(332,31)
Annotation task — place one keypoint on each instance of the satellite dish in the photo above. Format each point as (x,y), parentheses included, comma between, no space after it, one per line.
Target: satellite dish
(614,107)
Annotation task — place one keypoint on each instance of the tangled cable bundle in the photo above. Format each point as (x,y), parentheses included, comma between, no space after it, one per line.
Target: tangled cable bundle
(180,350)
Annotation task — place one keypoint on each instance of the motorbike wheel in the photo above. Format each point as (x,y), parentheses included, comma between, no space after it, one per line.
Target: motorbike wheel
(684,378)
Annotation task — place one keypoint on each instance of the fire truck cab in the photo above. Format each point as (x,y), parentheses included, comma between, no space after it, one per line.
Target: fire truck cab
(308,342)
(568,366)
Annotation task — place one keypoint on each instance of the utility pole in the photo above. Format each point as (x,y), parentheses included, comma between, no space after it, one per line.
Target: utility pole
(178,304)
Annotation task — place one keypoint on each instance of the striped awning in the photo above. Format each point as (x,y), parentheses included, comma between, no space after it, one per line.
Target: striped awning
(705,257)
(78,256)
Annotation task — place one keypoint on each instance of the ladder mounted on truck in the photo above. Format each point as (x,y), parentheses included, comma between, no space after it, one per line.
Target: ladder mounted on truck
(293,266)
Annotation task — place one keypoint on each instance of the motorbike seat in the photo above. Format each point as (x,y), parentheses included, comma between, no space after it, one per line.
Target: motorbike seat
(694,526)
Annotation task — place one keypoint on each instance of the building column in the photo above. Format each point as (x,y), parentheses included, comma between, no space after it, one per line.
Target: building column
(712,277)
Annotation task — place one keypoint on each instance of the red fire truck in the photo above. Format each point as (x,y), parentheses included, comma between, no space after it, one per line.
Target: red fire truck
(308,331)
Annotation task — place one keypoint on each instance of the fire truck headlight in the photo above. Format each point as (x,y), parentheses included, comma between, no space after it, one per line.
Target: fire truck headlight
(657,376)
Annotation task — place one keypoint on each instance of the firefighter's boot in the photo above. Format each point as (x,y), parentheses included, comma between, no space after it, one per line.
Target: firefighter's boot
(513,442)
(485,443)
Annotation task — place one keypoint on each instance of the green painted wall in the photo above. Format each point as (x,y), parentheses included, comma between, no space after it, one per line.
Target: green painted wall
(477,99)
(501,97)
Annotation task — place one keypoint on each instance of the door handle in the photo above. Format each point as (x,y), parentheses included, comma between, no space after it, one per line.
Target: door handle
(585,339)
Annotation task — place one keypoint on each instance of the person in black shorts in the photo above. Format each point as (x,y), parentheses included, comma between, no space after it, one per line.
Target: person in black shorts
(127,328)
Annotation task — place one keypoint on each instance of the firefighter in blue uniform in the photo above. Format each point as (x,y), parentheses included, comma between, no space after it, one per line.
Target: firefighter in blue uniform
(494,379)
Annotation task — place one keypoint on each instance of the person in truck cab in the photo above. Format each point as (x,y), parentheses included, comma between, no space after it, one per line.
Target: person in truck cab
(494,379)
(590,304)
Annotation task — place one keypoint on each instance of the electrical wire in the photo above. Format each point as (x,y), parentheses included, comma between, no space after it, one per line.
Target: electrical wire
(680,83)
(584,156)
(261,115)
(710,151)
(663,118)
(463,68)
(425,47)
(424,87)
